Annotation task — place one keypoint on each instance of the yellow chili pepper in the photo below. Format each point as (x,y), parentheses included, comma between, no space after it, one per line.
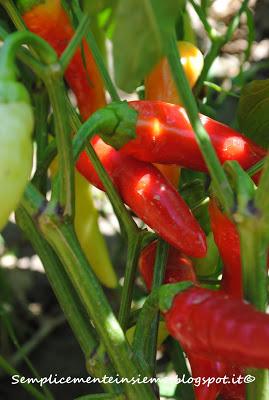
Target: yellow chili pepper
(86,227)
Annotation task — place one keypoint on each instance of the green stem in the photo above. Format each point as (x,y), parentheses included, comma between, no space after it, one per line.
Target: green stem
(75,42)
(65,191)
(262,198)
(63,240)
(143,328)
(235,22)
(13,42)
(127,223)
(61,285)
(66,296)
(219,179)
(47,327)
(210,57)
(98,58)
(254,263)
(256,167)
(219,89)
(183,391)
(41,109)
(203,17)
(25,56)
(134,245)
(14,14)
(27,386)
(158,277)
(216,44)
(22,355)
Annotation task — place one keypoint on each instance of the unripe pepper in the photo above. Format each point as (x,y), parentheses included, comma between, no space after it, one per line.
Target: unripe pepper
(90,238)
(16,147)
(159,85)
(230,330)
(144,189)
(87,230)
(164,135)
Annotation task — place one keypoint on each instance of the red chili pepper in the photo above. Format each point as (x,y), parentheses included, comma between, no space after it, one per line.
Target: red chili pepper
(164,135)
(234,391)
(228,243)
(50,21)
(230,330)
(149,195)
(179,267)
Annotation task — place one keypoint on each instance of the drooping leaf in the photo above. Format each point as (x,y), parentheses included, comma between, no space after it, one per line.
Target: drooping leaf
(137,39)
(252,114)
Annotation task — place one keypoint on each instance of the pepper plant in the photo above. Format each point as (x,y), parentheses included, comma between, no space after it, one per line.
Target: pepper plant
(208,256)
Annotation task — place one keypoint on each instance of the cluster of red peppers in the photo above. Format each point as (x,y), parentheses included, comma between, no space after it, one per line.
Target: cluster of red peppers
(219,332)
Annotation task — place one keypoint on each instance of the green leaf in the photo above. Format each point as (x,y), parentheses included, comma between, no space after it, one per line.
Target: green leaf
(137,39)
(253,116)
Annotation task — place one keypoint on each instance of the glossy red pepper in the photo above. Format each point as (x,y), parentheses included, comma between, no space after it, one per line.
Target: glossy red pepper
(230,330)
(227,240)
(149,195)
(228,243)
(164,135)
(178,267)
(234,391)
(50,21)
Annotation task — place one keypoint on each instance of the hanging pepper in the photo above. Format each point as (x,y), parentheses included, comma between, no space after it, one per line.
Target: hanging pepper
(49,20)
(228,243)
(159,85)
(86,227)
(179,268)
(230,330)
(164,135)
(149,195)
(16,147)
(203,367)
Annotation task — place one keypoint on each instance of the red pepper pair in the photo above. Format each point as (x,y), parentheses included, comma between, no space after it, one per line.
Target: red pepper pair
(180,268)
(140,184)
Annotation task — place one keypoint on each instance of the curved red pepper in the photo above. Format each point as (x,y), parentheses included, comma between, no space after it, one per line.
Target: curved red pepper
(230,330)
(50,21)
(149,195)
(228,243)
(164,135)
